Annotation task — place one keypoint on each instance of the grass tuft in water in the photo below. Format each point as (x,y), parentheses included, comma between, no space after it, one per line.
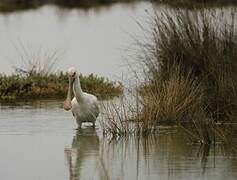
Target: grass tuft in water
(190,66)
(191,71)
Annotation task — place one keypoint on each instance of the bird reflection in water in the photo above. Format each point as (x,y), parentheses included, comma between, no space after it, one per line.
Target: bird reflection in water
(83,152)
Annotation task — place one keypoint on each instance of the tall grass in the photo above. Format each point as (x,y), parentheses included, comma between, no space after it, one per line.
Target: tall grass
(203,43)
(191,72)
(37,63)
(190,65)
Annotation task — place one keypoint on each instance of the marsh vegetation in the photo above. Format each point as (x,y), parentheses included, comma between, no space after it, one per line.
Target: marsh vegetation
(53,86)
(37,80)
(190,76)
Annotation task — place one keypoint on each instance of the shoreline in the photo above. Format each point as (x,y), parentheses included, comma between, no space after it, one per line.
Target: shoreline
(53,86)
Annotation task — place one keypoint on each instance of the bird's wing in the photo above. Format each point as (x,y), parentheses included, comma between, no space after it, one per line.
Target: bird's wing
(94,103)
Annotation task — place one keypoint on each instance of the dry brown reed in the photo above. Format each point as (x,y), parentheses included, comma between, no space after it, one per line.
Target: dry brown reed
(190,70)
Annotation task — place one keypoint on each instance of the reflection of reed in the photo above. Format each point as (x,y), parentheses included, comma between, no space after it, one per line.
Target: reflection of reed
(203,153)
(161,156)
(168,154)
(84,143)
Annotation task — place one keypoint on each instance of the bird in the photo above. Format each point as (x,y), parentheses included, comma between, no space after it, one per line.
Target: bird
(84,106)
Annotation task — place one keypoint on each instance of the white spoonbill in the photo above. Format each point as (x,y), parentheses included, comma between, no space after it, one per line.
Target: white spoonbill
(85,107)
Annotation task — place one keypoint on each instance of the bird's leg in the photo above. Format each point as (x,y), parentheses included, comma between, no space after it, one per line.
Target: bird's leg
(79,123)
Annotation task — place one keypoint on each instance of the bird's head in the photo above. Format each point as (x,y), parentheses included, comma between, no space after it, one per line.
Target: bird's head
(72,73)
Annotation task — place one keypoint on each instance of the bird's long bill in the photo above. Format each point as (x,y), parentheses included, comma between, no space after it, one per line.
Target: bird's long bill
(67,103)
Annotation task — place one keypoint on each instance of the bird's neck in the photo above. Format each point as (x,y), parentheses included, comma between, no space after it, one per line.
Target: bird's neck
(77,89)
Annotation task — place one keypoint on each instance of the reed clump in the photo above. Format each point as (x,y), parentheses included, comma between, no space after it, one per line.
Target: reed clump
(190,65)
(123,116)
(191,77)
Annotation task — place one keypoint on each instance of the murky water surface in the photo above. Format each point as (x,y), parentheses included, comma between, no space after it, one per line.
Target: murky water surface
(38,141)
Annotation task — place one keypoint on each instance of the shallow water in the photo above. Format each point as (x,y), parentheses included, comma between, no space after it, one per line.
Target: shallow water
(38,141)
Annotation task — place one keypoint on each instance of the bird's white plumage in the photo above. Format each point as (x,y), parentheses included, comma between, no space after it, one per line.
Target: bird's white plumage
(85,107)
(86,110)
